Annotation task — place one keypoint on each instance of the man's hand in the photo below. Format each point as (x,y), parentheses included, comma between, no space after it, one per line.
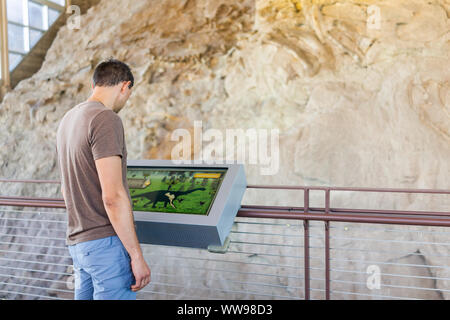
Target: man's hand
(141,273)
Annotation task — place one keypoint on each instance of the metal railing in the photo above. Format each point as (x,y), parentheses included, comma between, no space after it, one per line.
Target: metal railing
(276,252)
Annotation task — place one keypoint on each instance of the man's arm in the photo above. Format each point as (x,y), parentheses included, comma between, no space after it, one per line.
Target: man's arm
(118,207)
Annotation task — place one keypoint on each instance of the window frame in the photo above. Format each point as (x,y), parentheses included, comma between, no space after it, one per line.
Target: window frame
(6,66)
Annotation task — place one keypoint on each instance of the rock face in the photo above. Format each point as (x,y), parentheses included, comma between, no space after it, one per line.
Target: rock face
(359,91)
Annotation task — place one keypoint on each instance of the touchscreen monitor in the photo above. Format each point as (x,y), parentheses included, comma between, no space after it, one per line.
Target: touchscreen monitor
(174,190)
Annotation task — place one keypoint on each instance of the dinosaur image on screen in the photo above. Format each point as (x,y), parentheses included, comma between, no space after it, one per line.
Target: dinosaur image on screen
(170,190)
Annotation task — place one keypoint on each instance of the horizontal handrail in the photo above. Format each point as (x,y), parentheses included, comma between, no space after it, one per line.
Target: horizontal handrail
(347,210)
(282,187)
(30,181)
(401,217)
(279,187)
(300,215)
(33,202)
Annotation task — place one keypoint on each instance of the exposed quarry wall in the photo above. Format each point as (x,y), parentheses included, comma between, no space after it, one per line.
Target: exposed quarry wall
(359,91)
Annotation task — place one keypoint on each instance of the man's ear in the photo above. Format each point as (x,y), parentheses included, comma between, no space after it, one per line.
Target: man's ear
(125,85)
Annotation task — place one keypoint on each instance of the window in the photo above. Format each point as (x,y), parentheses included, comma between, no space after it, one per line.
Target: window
(14,60)
(27,22)
(16,38)
(52,16)
(34,37)
(62,3)
(14,8)
(36,13)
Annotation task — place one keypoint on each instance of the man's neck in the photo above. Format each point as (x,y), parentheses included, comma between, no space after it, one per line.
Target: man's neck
(104,99)
(94,99)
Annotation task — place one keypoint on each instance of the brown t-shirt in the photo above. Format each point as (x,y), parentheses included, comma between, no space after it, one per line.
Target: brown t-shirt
(88,132)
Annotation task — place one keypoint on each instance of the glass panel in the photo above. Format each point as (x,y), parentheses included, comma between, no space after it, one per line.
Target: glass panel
(16,36)
(34,37)
(14,60)
(36,15)
(14,10)
(52,16)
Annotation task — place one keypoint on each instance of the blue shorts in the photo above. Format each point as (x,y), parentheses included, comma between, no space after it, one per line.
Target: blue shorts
(102,270)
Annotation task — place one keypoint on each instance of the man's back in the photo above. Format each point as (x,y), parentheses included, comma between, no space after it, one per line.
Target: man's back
(107,258)
(88,132)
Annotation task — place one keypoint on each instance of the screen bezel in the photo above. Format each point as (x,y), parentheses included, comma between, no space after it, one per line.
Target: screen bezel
(217,207)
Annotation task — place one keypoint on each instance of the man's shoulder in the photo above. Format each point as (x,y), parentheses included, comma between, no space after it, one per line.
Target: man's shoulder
(90,110)
(93,113)
(105,120)
(105,115)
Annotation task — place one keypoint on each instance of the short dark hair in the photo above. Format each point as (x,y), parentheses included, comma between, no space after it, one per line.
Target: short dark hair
(112,72)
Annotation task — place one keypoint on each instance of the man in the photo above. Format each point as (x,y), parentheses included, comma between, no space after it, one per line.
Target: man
(107,258)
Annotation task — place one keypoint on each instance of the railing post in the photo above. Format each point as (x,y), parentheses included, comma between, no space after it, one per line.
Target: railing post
(327,246)
(306,244)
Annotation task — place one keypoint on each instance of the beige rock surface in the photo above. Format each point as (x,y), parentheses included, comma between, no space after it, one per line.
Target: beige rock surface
(356,104)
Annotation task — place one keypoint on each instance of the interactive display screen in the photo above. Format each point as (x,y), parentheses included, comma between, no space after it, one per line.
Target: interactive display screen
(174,190)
